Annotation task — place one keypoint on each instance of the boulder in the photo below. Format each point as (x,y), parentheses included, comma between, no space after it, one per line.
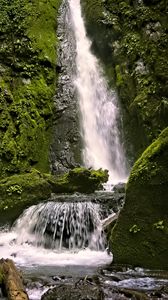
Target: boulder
(81,290)
(140,236)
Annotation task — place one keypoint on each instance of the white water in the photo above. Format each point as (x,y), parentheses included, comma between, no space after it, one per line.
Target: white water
(98,105)
(39,237)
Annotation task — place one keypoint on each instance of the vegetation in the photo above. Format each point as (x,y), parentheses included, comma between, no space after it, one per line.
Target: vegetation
(27,83)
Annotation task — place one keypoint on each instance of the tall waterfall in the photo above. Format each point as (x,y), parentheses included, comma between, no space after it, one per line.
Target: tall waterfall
(98,106)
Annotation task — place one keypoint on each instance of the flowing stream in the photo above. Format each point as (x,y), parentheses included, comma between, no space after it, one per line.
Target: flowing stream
(98,105)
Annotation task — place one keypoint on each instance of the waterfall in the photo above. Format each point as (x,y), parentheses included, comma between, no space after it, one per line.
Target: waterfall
(98,107)
(59,226)
(56,233)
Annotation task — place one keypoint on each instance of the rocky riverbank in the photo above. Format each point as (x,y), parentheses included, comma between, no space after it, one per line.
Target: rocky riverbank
(117,282)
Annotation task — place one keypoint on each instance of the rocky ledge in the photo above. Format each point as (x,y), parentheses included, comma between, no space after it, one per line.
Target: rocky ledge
(18,192)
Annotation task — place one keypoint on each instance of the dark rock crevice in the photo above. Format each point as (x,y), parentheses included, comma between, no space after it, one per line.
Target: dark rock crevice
(66,145)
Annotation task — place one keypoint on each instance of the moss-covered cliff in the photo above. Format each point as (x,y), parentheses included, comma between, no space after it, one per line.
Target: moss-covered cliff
(140,236)
(131,37)
(27,83)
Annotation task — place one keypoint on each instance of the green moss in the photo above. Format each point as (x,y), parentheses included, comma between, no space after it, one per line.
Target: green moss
(134,229)
(18,192)
(79,179)
(27,83)
(153,164)
(86,180)
(145,208)
(94,10)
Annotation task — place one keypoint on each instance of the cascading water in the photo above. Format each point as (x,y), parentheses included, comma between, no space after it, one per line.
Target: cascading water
(56,234)
(98,105)
(61,226)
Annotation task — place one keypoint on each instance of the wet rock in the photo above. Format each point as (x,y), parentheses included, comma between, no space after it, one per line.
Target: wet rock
(156,294)
(56,278)
(66,145)
(115,278)
(134,294)
(116,293)
(82,290)
(120,188)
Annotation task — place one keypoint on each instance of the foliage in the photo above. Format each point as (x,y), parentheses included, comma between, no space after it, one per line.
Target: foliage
(150,164)
(14,189)
(159,225)
(27,83)
(134,229)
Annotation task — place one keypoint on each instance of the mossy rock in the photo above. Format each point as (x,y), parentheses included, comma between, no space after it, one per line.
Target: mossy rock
(83,180)
(140,236)
(27,83)
(18,192)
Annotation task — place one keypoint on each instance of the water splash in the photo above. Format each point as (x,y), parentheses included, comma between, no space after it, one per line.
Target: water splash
(56,234)
(98,106)
(61,226)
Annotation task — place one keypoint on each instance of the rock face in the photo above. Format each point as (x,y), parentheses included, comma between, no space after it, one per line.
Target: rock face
(140,237)
(66,143)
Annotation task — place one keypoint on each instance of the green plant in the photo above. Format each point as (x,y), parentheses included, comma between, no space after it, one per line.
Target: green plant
(14,189)
(134,229)
(159,225)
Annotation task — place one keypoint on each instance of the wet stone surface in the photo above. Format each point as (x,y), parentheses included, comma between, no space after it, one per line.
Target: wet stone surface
(113,282)
(83,289)
(65,151)
(110,201)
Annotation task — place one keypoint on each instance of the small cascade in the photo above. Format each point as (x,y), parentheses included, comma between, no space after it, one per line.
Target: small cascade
(98,106)
(56,233)
(60,226)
